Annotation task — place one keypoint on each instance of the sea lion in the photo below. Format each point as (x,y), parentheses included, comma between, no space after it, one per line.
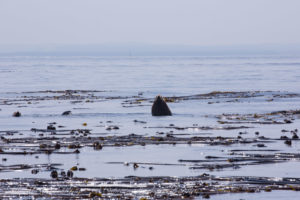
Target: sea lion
(160,107)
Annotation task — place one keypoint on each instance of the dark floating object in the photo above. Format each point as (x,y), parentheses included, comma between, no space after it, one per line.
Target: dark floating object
(135,165)
(51,127)
(160,107)
(70,173)
(97,146)
(76,151)
(67,113)
(288,142)
(295,136)
(54,174)
(261,145)
(287,121)
(17,114)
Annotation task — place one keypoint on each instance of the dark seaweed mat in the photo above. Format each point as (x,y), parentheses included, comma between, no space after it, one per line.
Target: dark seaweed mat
(133,187)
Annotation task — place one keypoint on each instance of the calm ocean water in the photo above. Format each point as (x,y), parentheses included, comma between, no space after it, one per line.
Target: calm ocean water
(149,76)
(152,75)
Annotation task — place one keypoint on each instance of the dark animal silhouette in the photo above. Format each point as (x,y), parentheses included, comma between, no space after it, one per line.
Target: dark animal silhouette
(160,107)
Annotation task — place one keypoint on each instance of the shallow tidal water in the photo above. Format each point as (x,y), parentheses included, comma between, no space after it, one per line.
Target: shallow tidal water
(34,86)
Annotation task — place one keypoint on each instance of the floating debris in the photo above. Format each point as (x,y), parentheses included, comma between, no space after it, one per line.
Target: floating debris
(67,113)
(16,114)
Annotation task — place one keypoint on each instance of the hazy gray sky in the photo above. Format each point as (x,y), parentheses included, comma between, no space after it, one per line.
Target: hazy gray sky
(196,22)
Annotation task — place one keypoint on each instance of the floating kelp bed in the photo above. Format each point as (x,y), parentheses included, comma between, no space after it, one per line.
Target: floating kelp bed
(134,187)
(74,96)
(218,96)
(42,129)
(48,145)
(90,96)
(277,117)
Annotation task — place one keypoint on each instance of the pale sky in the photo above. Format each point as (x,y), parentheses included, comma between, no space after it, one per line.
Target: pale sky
(192,22)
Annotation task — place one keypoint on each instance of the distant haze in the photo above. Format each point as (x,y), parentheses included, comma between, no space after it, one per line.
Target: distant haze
(50,23)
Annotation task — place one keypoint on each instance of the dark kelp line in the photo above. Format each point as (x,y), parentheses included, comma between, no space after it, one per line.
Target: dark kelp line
(32,145)
(234,161)
(219,96)
(133,187)
(74,96)
(277,117)
(72,145)
(79,96)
